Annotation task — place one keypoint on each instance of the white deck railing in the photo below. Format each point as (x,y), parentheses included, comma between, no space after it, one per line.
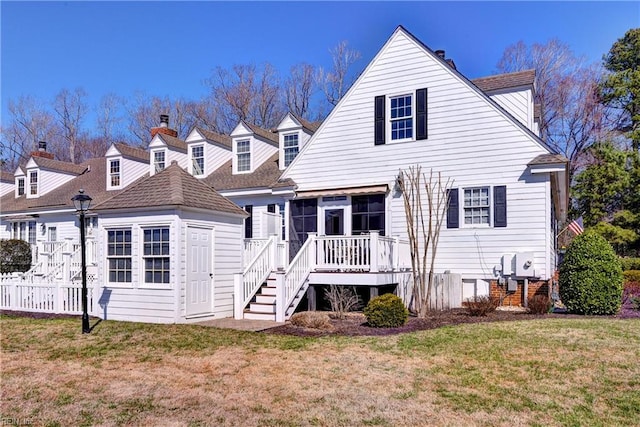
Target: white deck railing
(251,249)
(42,296)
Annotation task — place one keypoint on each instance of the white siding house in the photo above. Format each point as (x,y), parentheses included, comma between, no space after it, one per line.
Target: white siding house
(452,128)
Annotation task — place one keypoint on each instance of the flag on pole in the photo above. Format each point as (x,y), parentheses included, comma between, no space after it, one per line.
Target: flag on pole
(576,226)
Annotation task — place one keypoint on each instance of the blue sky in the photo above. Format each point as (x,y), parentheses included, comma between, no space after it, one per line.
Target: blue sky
(169,48)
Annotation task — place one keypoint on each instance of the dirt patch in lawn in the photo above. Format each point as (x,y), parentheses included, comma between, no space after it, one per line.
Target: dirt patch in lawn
(355,324)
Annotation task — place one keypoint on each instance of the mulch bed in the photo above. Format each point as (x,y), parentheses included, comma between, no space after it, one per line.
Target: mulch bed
(355,324)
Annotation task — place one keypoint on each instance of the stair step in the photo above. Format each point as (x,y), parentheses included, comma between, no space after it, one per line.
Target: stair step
(268,290)
(265,299)
(259,316)
(262,308)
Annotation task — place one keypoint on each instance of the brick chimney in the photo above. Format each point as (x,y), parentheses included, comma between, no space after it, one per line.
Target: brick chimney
(441,55)
(164,127)
(42,151)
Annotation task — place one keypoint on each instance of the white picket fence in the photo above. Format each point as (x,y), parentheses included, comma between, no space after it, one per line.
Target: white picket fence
(43,296)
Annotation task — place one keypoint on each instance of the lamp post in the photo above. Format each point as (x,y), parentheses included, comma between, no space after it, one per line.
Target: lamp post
(82,202)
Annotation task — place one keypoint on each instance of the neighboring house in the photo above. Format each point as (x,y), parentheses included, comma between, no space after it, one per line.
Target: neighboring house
(305,205)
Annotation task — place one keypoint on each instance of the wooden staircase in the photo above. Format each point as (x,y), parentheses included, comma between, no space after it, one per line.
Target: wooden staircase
(263,306)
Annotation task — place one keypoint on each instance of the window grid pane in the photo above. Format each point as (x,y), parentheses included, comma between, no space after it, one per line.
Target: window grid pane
(197,154)
(33,182)
(290,148)
(401,117)
(159,161)
(156,267)
(119,255)
(476,205)
(114,168)
(20,186)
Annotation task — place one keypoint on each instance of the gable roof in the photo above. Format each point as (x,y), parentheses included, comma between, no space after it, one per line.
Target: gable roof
(93,181)
(264,134)
(548,159)
(58,166)
(505,81)
(132,152)
(171,187)
(265,176)
(220,138)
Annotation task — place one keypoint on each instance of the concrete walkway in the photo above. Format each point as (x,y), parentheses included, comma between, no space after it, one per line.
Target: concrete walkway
(241,325)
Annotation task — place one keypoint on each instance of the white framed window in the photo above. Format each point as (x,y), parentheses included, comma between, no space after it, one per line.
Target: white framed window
(159,161)
(197,159)
(401,116)
(32,233)
(156,256)
(476,206)
(53,234)
(243,156)
(33,183)
(291,148)
(20,186)
(119,255)
(114,173)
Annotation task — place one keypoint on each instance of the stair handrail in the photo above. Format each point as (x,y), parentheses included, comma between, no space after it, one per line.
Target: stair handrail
(257,271)
(298,271)
(29,275)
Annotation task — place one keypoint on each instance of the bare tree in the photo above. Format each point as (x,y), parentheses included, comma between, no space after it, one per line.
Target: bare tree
(71,109)
(246,93)
(29,123)
(299,87)
(566,88)
(336,82)
(203,113)
(145,111)
(109,119)
(424,222)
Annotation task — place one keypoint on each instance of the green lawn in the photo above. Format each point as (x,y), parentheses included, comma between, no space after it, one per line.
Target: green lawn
(572,372)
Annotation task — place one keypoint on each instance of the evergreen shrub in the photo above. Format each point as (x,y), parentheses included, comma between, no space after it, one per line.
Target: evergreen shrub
(591,276)
(386,311)
(15,255)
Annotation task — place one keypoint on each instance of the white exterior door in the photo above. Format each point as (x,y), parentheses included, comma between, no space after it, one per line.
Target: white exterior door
(199,292)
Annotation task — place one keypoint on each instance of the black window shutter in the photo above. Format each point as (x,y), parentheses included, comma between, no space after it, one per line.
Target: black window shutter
(248,222)
(500,206)
(421,114)
(453,214)
(379,138)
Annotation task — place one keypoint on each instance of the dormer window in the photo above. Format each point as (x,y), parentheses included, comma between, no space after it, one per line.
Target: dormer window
(159,161)
(243,153)
(20,186)
(197,160)
(33,183)
(114,173)
(291,148)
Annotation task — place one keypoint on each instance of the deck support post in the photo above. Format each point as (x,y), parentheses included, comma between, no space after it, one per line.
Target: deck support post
(311,298)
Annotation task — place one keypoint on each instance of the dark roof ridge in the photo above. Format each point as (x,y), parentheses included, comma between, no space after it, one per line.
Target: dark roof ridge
(263,133)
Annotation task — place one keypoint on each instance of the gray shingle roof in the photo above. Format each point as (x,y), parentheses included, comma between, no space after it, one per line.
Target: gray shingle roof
(505,81)
(58,166)
(265,176)
(6,176)
(132,152)
(221,139)
(93,181)
(264,134)
(173,142)
(311,127)
(171,187)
